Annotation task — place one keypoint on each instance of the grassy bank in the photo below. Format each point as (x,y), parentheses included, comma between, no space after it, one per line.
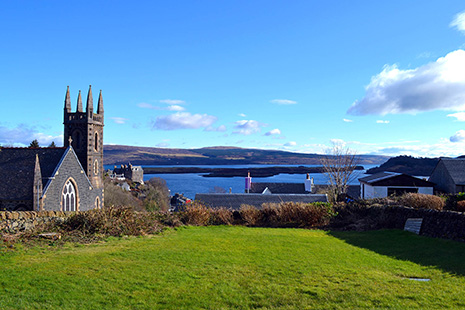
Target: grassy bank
(237,267)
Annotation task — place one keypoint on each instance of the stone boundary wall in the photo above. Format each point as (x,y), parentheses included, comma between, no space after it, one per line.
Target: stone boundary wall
(12,222)
(437,224)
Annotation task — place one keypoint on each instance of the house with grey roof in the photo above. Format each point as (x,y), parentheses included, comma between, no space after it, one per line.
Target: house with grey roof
(257,194)
(386,183)
(449,175)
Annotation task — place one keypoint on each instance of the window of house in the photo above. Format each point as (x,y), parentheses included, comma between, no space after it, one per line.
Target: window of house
(399,191)
(69,197)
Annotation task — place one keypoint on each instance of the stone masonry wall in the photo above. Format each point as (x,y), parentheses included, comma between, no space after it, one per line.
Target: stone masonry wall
(14,222)
(437,224)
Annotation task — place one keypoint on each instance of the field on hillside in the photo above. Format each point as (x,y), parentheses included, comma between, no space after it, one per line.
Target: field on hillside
(239,268)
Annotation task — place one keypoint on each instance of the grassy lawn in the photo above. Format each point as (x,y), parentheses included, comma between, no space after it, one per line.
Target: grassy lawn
(239,268)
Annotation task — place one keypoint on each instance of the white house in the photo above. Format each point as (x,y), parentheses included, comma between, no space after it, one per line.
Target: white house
(385,184)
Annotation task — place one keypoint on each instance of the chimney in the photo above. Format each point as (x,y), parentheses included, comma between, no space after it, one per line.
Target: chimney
(309,186)
(248,183)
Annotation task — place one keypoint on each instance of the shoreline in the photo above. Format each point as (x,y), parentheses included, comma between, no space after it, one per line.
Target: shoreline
(237,172)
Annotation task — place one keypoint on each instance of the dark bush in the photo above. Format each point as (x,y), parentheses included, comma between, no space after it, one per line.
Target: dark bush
(422,201)
(195,214)
(250,215)
(296,214)
(221,216)
(461,206)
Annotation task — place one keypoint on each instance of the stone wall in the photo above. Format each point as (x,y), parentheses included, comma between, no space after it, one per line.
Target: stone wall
(14,222)
(438,224)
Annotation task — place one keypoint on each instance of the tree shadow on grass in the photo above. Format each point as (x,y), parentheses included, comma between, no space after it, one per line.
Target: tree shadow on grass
(447,255)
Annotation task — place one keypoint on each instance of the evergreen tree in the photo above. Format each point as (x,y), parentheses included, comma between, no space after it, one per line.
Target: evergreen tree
(34,144)
(52,144)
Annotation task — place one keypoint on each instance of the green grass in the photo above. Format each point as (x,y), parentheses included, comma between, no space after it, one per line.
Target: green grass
(239,268)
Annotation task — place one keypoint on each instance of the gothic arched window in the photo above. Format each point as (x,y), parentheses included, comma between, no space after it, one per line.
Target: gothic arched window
(69,197)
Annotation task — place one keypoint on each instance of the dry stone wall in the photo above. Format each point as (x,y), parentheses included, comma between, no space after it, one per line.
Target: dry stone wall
(15,222)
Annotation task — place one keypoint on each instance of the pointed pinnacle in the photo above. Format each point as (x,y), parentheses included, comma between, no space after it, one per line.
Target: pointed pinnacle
(100,103)
(67,100)
(79,103)
(90,101)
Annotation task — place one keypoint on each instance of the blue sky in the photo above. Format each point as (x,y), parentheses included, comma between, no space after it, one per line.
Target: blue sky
(382,77)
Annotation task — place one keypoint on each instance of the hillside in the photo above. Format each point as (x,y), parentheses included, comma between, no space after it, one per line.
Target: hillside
(408,165)
(121,154)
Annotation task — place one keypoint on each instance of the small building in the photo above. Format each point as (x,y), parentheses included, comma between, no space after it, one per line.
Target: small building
(306,187)
(235,201)
(385,184)
(449,175)
(130,172)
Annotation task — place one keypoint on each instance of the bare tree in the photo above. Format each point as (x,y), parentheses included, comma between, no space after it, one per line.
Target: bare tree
(339,164)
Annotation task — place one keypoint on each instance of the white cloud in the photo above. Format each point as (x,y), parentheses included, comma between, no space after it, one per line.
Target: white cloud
(380,121)
(163,144)
(283,101)
(347,120)
(459,22)
(272,132)
(221,128)
(172,101)
(145,105)
(176,108)
(459,136)
(242,115)
(460,116)
(171,107)
(291,143)
(183,120)
(22,135)
(438,85)
(247,127)
(119,120)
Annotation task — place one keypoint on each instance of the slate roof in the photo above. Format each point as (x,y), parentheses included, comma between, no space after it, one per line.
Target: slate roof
(378,177)
(234,201)
(17,170)
(279,188)
(456,168)
(395,179)
(353,191)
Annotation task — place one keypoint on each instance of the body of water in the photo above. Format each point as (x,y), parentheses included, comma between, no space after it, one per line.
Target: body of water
(191,183)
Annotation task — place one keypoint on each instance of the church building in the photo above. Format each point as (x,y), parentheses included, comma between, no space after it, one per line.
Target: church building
(68,178)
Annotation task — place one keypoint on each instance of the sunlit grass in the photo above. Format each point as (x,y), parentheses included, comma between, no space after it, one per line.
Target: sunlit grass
(239,268)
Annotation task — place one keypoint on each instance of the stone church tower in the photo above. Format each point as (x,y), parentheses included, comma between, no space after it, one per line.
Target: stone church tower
(84,130)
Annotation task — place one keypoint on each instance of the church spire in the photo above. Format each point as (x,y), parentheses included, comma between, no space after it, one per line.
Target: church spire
(90,102)
(79,103)
(100,103)
(67,101)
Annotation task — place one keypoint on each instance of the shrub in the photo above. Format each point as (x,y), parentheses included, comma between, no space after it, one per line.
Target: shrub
(250,215)
(221,216)
(461,206)
(296,214)
(195,214)
(115,196)
(460,196)
(113,221)
(422,201)
(157,195)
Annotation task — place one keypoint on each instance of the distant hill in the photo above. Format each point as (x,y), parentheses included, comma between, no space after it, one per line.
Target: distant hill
(121,154)
(408,165)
